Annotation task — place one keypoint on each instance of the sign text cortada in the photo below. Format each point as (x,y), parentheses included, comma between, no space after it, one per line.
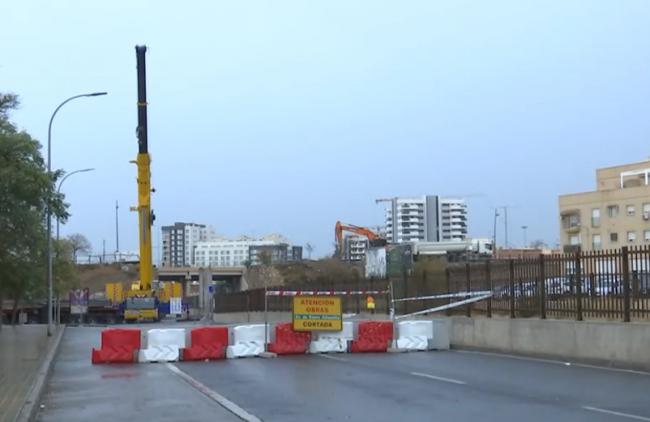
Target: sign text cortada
(317,313)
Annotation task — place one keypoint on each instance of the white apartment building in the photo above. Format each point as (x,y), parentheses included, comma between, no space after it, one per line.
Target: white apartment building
(426,219)
(231,253)
(179,241)
(354,248)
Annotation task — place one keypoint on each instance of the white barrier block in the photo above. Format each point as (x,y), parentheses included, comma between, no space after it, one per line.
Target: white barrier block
(328,345)
(166,337)
(414,335)
(248,340)
(332,341)
(347,333)
(247,349)
(159,354)
(163,345)
(248,333)
(413,343)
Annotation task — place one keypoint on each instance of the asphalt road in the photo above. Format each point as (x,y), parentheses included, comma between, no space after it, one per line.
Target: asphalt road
(419,386)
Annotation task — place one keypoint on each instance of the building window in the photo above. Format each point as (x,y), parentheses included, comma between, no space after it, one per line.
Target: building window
(612,211)
(646,235)
(631,237)
(630,210)
(574,240)
(646,211)
(595,242)
(595,217)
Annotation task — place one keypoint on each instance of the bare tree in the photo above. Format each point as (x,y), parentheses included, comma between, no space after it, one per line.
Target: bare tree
(538,244)
(310,249)
(79,243)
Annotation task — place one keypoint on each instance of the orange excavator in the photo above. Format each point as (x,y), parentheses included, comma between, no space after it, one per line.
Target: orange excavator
(373,238)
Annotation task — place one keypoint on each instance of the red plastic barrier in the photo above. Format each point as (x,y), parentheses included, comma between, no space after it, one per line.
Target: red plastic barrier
(119,345)
(289,342)
(207,343)
(372,336)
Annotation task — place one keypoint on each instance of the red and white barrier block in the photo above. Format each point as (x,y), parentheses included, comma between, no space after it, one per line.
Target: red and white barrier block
(118,345)
(372,336)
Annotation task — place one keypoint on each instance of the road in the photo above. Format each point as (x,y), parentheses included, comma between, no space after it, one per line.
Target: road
(455,385)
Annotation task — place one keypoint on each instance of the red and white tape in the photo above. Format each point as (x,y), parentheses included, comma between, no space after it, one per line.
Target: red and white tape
(325,292)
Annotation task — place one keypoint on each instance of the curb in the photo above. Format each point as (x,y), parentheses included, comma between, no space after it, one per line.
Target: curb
(31,406)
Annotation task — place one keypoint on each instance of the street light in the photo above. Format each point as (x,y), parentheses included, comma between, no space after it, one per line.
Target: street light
(49,207)
(524,228)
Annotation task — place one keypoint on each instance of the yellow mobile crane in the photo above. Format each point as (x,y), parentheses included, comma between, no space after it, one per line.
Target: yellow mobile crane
(141,299)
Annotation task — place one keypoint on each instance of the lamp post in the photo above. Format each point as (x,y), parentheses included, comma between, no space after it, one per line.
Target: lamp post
(524,228)
(58,190)
(49,207)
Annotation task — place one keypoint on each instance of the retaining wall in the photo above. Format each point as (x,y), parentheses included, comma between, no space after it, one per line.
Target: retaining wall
(602,342)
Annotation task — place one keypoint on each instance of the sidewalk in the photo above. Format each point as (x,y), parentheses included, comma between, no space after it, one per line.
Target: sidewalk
(22,349)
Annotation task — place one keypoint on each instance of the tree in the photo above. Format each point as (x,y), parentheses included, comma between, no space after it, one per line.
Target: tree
(79,243)
(310,249)
(26,191)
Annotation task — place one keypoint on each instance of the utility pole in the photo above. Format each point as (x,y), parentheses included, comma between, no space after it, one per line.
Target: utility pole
(103,251)
(117,231)
(494,233)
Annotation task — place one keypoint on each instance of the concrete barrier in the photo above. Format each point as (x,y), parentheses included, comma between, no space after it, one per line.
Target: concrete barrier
(609,343)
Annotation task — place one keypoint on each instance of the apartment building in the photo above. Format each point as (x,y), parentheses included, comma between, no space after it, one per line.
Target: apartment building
(354,248)
(616,214)
(427,218)
(179,240)
(243,251)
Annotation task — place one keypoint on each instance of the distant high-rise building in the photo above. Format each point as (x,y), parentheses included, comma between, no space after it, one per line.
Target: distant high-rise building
(426,219)
(179,240)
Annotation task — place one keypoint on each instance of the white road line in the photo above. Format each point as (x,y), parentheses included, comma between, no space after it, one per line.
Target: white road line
(555,362)
(433,377)
(227,404)
(621,414)
(332,357)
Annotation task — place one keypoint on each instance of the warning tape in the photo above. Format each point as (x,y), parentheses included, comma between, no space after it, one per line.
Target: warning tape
(445,296)
(325,292)
(448,306)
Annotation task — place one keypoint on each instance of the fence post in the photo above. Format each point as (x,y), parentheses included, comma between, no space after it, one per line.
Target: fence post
(511,277)
(468,287)
(542,287)
(625,257)
(488,277)
(577,279)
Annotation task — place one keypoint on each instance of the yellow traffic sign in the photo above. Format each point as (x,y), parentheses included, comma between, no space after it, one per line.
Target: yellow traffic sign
(317,313)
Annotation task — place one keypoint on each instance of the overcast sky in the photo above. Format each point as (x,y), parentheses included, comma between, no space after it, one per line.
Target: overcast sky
(287,116)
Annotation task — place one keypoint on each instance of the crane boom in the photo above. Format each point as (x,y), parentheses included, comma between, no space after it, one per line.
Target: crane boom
(143,161)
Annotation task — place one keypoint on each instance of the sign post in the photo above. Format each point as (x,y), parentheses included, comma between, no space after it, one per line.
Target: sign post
(317,313)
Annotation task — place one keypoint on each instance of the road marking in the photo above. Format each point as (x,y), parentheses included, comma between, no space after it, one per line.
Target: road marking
(433,377)
(555,362)
(227,404)
(621,414)
(332,357)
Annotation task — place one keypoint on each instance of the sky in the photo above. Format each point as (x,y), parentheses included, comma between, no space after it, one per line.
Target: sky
(286,116)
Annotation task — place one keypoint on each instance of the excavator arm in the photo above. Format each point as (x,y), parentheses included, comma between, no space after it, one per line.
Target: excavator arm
(362,231)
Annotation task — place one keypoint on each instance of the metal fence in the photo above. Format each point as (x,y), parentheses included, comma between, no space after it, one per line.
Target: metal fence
(609,284)
(253,300)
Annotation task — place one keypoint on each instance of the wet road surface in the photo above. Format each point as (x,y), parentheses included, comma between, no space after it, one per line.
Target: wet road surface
(419,386)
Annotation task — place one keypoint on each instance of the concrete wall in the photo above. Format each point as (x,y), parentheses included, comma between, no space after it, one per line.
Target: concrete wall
(608,343)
